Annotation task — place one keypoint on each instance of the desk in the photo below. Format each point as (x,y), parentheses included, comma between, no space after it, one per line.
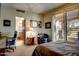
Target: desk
(39,40)
(3,37)
(3,41)
(30,41)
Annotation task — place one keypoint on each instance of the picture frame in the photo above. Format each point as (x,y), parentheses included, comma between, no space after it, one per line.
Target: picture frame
(39,24)
(6,23)
(48,25)
(36,24)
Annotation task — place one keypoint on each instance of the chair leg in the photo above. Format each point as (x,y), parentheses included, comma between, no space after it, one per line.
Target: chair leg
(11,48)
(15,47)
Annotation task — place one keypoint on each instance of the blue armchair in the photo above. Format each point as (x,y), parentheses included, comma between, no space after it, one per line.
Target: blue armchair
(43,38)
(11,41)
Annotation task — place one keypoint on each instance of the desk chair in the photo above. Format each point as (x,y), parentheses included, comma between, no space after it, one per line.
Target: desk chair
(10,42)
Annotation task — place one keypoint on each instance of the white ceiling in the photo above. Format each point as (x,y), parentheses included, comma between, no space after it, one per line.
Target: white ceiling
(34,7)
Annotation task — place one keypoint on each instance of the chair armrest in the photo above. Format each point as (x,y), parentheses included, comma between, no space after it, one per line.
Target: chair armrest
(9,38)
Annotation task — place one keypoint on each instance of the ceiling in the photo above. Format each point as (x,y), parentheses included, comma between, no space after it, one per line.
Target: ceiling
(34,7)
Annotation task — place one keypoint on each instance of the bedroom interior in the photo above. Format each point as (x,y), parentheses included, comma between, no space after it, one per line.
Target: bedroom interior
(39,29)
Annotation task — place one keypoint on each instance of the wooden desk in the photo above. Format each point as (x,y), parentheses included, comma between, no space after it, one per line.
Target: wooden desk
(39,40)
(3,41)
(30,41)
(3,37)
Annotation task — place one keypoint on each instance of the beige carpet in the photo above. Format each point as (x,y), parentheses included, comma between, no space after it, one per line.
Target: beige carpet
(22,51)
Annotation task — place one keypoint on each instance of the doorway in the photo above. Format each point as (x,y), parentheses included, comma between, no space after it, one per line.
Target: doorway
(20,31)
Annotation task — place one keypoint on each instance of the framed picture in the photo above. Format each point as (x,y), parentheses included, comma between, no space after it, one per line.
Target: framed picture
(39,24)
(6,23)
(36,24)
(48,25)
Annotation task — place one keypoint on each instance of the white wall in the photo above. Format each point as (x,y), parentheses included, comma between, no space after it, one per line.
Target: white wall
(10,13)
(37,18)
(47,18)
(0,10)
